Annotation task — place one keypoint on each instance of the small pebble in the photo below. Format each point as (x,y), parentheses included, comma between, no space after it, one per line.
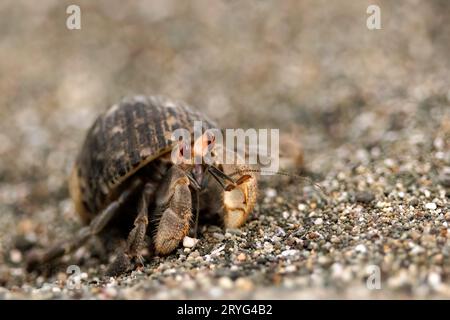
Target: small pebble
(244,284)
(434,279)
(447,216)
(335,239)
(218,236)
(194,254)
(271,193)
(225,283)
(318,221)
(364,197)
(444,177)
(361,248)
(290,252)
(218,250)
(291,268)
(15,256)
(234,231)
(110,292)
(241,257)
(189,242)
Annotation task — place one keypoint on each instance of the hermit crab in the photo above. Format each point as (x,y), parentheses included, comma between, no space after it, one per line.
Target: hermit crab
(125,178)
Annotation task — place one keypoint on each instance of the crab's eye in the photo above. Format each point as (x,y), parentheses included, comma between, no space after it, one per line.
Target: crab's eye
(211,139)
(182,148)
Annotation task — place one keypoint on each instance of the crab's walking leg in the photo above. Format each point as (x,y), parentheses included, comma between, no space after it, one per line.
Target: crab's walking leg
(194,229)
(136,237)
(95,227)
(174,199)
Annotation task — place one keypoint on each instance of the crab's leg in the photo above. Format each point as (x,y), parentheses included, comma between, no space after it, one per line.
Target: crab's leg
(174,200)
(136,237)
(194,229)
(197,188)
(95,227)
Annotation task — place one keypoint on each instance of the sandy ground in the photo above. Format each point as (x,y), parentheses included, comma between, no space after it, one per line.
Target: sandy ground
(370,108)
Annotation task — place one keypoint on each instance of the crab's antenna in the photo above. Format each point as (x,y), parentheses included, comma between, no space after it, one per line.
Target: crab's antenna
(316,186)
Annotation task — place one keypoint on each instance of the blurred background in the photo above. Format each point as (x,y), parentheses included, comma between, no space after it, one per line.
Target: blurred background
(310,68)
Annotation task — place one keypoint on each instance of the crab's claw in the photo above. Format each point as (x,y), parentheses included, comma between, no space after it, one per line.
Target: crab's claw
(239,199)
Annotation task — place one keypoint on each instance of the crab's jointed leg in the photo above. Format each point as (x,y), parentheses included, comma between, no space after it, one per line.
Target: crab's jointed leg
(174,201)
(136,237)
(95,227)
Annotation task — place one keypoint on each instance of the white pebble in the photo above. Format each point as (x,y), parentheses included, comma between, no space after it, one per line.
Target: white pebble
(390,163)
(380,204)
(110,292)
(434,279)
(218,250)
(318,221)
(216,292)
(361,248)
(431,206)
(287,253)
(417,250)
(189,242)
(15,256)
(291,268)
(56,290)
(271,193)
(336,270)
(16,272)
